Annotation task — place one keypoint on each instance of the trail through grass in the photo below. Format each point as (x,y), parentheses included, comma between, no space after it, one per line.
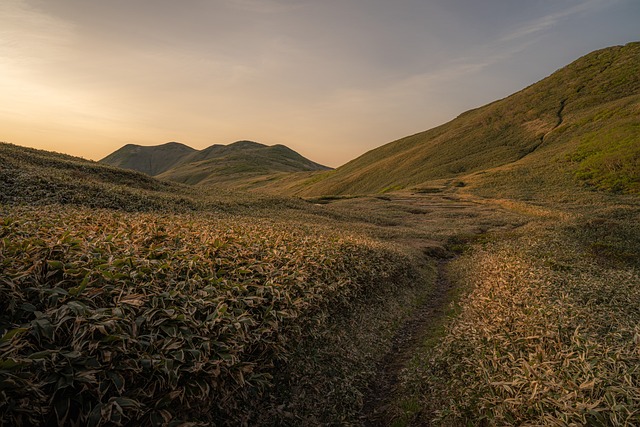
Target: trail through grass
(547,332)
(126,300)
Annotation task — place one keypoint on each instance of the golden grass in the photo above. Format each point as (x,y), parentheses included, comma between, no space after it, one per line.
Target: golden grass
(128,300)
(150,318)
(546,336)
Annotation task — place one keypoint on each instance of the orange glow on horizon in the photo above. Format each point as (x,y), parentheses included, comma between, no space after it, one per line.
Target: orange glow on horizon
(329,80)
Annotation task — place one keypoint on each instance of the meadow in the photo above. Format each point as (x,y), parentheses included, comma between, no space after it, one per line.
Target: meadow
(132,301)
(135,317)
(484,272)
(545,332)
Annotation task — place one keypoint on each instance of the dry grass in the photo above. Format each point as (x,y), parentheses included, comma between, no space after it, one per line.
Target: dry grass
(547,335)
(128,300)
(147,318)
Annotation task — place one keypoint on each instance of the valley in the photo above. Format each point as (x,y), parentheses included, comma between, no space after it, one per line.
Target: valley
(484,272)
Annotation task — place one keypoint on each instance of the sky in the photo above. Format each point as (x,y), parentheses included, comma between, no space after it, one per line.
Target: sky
(330,79)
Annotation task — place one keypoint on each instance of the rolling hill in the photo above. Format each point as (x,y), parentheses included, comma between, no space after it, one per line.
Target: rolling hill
(231,292)
(150,160)
(38,177)
(581,125)
(235,165)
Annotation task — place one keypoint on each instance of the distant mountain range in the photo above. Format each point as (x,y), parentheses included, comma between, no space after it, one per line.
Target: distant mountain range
(578,128)
(231,165)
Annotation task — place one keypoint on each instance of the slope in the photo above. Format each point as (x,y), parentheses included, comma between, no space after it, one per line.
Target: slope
(242,164)
(119,290)
(150,160)
(237,163)
(579,124)
(29,176)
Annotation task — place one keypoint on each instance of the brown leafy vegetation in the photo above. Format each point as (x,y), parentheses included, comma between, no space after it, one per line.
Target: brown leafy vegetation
(122,317)
(547,333)
(129,300)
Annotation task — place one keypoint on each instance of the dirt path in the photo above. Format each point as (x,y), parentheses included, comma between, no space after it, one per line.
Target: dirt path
(405,343)
(451,215)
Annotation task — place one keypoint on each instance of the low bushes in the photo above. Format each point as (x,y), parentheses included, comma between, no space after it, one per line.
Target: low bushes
(547,335)
(154,319)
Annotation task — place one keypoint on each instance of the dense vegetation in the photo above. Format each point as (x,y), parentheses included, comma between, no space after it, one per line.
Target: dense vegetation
(129,300)
(547,333)
(110,316)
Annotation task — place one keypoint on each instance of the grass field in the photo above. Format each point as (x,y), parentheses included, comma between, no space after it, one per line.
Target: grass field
(498,289)
(129,300)
(546,332)
(149,317)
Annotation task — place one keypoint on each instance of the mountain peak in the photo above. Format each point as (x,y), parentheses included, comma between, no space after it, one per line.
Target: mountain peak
(151,160)
(174,144)
(244,144)
(215,164)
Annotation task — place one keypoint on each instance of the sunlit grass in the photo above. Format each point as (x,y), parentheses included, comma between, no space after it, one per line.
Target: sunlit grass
(547,335)
(116,317)
(593,102)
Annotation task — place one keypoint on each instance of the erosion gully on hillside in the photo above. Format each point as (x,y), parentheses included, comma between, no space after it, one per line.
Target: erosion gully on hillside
(443,222)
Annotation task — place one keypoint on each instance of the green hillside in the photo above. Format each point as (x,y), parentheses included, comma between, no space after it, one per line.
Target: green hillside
(243,164)
(39,177)
(578,126)
(239,163)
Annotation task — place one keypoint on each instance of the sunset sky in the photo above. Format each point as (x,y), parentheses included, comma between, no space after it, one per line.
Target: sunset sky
(329,78)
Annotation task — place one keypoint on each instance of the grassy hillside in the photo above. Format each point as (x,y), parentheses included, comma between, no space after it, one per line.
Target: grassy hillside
(243,164)
(578,126)
(150,160)
(128,300)
(239,163)
(37,177)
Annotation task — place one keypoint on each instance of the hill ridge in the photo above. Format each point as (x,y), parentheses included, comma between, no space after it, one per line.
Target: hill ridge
(567,116)
(239,163)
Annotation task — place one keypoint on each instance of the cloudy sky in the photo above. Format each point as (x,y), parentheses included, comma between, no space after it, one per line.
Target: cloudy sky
(328,78)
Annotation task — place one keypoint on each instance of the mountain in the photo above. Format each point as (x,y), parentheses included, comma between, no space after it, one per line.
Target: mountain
(33,177)
(241,164)
(580,126)
(150,160)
